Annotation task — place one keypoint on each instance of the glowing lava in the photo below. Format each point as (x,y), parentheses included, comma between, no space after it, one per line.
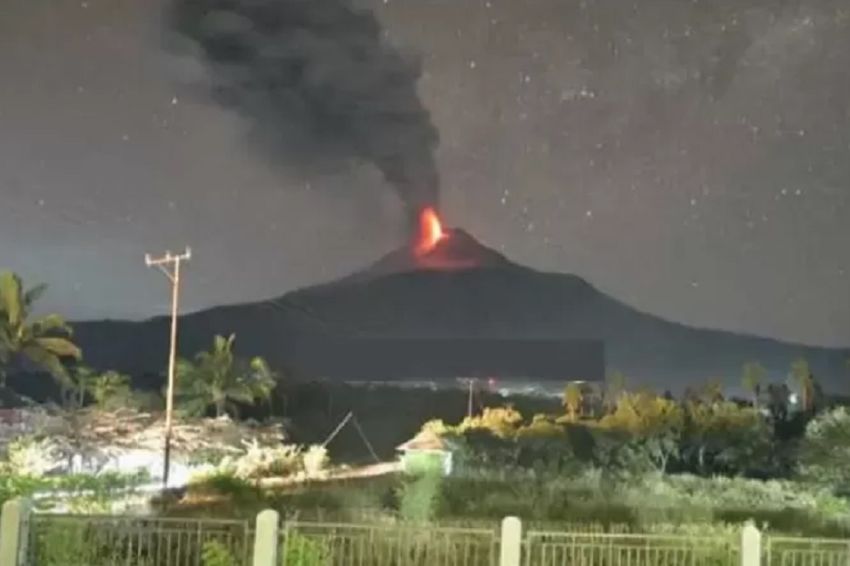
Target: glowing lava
(430,231)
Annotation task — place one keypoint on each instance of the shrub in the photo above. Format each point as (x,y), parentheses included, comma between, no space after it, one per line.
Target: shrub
(64,545)
(725,438)
(210,456)
(28,456)
(81,490)
(262,461)
(824,456)
(620,456)
(216,553)
(298,550)
(110,390)
(500,421)
(226,484)
(419,496)
(315,459)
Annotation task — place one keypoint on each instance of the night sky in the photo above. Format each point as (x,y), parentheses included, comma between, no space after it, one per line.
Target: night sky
(691,158)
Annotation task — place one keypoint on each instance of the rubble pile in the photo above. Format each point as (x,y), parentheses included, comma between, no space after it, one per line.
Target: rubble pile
(130,429)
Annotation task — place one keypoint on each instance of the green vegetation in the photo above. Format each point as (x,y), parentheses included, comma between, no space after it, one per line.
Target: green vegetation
(627,460)
(825,450)
(617,459)
(64,545)
(298,550)
(258,462)
(26,471)
(218,379)
(419,494)
(81,491)
(108,390)
(588,500)
(572,400)
(44,342)
(216,553)
(642,434)
(640,503)
(753,376)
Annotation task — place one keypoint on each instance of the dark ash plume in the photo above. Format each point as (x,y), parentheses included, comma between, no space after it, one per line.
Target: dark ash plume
(319,85)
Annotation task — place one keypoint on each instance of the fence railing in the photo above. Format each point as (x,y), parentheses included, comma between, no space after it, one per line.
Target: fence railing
(788,551)
(101,540)
(35,539)
(387,545)
(607,549)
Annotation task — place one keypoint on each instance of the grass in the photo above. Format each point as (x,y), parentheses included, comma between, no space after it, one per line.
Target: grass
(642,504)
(784,506)
(88,491)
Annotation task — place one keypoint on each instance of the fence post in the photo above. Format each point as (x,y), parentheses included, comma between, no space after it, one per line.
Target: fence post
(14,523)
(266,538)
(750,545)
(510,542)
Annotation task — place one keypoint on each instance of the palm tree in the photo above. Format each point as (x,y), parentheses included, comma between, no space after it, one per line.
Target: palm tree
(80,378)
(109,389)
(802,375)
(753,375)
(572,400)
(615,386)
(217,379)
(709,393)
(44,341)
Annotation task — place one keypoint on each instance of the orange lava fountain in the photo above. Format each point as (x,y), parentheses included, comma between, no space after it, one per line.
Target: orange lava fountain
(430,231)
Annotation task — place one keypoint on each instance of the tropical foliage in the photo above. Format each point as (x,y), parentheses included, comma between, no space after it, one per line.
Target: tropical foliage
(639,432)
(802,377)
(753,376)
(219,380)
(572,400)
(419,495)
(44,342)
(825,449)
(108,390)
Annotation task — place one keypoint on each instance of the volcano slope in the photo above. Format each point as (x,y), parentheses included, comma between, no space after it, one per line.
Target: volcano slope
(459,289)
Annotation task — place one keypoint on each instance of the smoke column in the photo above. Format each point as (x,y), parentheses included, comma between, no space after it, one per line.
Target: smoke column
(319,86)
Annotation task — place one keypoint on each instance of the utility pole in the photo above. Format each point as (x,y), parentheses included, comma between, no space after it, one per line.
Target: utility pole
(169,264)
(471,383)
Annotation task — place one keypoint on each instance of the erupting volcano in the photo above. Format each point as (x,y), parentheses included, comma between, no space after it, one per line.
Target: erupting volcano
(444,305)
(430,231)
(434,247)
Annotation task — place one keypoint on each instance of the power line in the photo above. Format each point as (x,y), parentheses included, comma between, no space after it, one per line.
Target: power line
(350,417)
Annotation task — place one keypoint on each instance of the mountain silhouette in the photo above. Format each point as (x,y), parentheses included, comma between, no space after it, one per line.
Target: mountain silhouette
(458,291)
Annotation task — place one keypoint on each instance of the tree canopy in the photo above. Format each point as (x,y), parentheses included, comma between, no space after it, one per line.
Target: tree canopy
(825,449)
(218,379)
(44,342)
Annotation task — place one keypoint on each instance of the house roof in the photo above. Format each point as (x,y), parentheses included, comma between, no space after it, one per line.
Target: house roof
(425,440)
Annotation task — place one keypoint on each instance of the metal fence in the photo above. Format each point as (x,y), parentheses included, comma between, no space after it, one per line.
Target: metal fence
(386,545)
(787,551)
(100,540)
(607,549)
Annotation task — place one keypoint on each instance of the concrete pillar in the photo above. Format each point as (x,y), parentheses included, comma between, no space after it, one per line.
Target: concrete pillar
(750,545)
(266,539)
(14,523)
(511,542)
